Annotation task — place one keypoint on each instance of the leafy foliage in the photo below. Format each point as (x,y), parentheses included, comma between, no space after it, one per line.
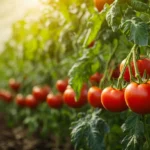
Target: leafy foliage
(82,69)
(136,31)
(90,129)
(134,128)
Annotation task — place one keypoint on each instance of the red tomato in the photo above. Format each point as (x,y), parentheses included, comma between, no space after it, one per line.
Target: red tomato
(91,44)
(95,78)
(70,96)
(113,99)
(14,85)
(61,85)
(94,97)
(20,100)
(137,97)
(46,89)
(115,73)
(99,4)
(31,101)
(55,101)
(6,96)
(40,93)
(143,65)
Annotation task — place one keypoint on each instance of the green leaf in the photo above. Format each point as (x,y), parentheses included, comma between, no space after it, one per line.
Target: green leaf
(134,129)
(94,25)
(89,132)
(82,69)
(113,16)
(136,31)
(139,6)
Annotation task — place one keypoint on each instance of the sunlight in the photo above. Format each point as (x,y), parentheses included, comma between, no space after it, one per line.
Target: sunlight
(30,3)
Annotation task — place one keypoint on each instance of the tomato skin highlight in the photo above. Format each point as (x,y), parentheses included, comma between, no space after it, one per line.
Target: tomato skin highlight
(99,4)
(69,97)
(20,100)
(14,85)
(61,85)
(55,101)
(143,65)
(94,97)
(137,97)
(113,100)
(31,101)
(95,78)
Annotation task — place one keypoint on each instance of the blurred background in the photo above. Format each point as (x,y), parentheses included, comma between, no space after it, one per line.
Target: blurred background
(11,11)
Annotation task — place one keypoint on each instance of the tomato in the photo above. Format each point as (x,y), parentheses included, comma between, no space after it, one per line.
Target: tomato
(99,4)
(20,100)
(115,73)
(91,44)
(61,85)
(14,85)
(94,97)
(113,99)
(137,97)
(55,101)
(31,101)
(46,89)
(6,96)
(95,78)
(143,66)
(40,93)
(70,96)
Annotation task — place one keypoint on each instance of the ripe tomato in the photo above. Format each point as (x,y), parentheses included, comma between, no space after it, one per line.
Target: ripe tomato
(70,96)
(137,97)
(20,100)
(14,85)
(143,65)
(55,101)
(40,93)
(99,4)
(6,96)
(91,44)
(61,85)
(95,78)
(94,97)
(115,73)
(46,89)
(31,101)
(113,99)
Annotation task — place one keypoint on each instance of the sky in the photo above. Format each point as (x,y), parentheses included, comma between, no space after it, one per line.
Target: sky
(11,11)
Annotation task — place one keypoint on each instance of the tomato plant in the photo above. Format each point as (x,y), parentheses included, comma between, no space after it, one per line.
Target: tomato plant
(72,39)
(143,67)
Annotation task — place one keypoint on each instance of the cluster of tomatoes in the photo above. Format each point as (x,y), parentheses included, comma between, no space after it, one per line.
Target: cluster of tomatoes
(135,96)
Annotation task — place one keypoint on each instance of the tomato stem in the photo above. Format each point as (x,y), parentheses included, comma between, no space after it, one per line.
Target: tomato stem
(127,61)
(108,63)
(137,73)
(146,131)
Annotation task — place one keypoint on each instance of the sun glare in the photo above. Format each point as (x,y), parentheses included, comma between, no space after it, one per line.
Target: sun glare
(31,3)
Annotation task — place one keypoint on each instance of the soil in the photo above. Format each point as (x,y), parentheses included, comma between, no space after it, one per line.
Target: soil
(17,139)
